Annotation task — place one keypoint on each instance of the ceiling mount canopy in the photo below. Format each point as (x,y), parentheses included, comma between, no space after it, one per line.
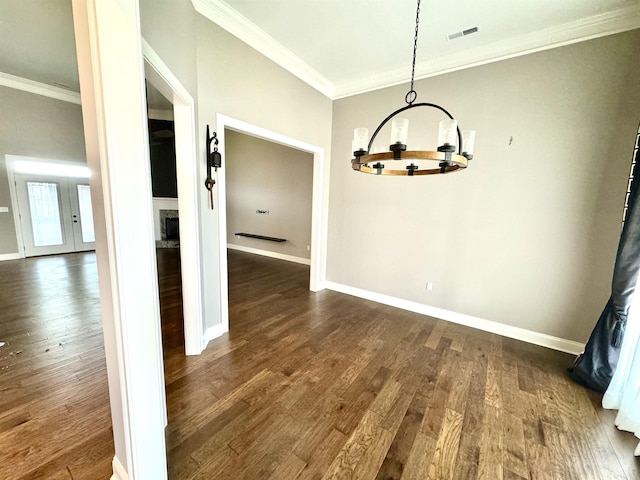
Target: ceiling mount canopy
(399,160)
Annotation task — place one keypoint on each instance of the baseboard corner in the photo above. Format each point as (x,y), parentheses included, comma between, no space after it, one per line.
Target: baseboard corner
(119,473)
(212,333)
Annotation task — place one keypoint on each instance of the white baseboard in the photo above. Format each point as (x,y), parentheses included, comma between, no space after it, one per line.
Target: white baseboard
(211,333)
(119,473)
(267,253)
(10,256)
(542,339)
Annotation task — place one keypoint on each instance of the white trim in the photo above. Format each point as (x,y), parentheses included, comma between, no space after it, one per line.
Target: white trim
(608,23)
(267,253)
(529,336)
(9,159)
(160,76)
(31,86)
(229,19)
(596,26)
(110,66)
(10,256)
(119,473)
(213,332)
(318,211)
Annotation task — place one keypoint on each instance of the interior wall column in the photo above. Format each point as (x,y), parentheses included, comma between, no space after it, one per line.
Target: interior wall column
(110,64)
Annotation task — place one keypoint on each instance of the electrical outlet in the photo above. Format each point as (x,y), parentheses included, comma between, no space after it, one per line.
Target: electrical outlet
(429,286)
(308,248)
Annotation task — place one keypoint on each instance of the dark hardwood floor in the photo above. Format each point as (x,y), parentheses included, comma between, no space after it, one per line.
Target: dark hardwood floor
(305,386)
(55,420)
(324,385)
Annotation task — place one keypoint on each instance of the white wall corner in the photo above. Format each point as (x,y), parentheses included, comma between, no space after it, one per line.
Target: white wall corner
(31,86)
(119,473)
(213,332)
(239,26)
(517,333)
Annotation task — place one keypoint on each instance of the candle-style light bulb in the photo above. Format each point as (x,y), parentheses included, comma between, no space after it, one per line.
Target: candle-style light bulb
(468,143)
(360,139)
(447,133)
(399,131)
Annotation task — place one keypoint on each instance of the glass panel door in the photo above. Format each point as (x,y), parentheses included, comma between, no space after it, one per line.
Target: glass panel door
(46,218)
(45,215)
(86,214)
(81,215)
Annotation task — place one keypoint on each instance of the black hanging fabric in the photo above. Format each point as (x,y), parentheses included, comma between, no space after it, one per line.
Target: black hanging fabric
(595,367)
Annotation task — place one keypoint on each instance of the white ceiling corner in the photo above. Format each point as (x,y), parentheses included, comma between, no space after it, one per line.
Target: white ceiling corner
(620,16)
(600,25)
(226,17)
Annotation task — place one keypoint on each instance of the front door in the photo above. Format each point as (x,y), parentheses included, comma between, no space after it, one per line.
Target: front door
(55,214)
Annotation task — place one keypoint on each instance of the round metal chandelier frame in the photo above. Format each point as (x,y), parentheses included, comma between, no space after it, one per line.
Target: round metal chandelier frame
(448,160)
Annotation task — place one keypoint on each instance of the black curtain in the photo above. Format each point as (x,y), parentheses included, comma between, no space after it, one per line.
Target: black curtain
(595,367)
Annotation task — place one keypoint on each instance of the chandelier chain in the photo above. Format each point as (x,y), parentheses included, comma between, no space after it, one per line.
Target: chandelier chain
(412,95)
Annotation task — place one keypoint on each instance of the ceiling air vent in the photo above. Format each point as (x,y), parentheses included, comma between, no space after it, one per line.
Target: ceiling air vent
(463,33)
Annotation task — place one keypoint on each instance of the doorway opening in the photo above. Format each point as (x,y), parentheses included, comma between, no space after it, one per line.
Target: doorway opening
(318,243)
(160,78)
(51,205)
(269,198)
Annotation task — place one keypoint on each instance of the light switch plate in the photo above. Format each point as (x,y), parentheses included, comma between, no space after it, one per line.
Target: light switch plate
(4,209)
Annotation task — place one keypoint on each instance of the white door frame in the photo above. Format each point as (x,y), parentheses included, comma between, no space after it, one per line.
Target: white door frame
(318,210)
(43,167)
(111,71)
(160,76)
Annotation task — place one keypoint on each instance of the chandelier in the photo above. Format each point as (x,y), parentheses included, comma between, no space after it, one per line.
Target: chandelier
(399,160)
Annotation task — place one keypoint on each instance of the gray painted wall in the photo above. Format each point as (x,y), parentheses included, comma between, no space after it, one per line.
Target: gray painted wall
(263,175)
(226,76)
(237,81)
(527,236)
(34,126)
(177,50)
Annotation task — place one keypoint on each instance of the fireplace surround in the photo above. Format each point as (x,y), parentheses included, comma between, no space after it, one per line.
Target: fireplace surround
(169,231)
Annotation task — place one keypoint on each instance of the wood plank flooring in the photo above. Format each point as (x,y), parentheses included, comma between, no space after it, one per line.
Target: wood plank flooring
(305,386)
(327,386)
(55,420)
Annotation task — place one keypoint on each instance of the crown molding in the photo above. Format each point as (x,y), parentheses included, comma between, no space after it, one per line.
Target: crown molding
(588,28)
(26,85)
(229,19)
(596,26)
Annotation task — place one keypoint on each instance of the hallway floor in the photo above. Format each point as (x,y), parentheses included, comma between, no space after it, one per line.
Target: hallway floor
(305,386)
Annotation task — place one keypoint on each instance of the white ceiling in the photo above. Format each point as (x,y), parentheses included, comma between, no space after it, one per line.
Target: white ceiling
(340,47)
(343,47)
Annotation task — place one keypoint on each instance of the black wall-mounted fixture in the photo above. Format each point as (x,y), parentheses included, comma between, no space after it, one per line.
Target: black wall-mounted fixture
(214,160)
